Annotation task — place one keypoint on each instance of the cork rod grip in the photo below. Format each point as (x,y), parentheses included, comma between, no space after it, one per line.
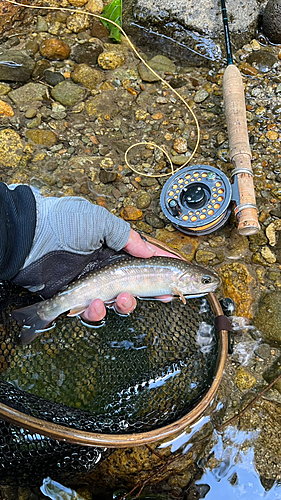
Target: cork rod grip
(240,152)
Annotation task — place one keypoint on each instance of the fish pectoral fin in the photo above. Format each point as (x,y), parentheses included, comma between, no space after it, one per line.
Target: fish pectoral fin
(76,311)
(181,296)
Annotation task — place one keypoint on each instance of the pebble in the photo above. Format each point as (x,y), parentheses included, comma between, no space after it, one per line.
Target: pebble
(43,137)
(268,317)
(180,145)
(77,3)
(162,63)
(247,69)
(263,60)
(243,379)
(95,6)
(30,113)
(53,77)
(272,136)
(67,93)
(147,75)
(204,257)
(41,25)
(77,22)
(106,176)
(154,221)
(237,284)
(110,60)
(87,76)
(98,30)
(27,93)
(15,66)
(201,95)
(131,213)
(54,49)
(179,159)
(6,109)
(4,88)
(144,201)
(40,67)
(187,245)
(87,52)
(268,255)
(11,148)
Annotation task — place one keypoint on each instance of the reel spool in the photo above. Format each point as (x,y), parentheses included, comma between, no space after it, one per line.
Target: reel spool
(197,199)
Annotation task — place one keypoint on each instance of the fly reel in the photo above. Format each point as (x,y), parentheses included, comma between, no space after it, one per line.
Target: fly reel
(197,199)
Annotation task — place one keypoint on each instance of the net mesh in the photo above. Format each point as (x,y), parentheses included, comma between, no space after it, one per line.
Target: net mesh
(132,374)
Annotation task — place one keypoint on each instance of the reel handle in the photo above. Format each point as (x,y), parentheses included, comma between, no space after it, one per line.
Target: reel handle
(240,152)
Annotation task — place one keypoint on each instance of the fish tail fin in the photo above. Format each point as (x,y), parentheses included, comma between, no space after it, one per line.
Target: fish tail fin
(28,316)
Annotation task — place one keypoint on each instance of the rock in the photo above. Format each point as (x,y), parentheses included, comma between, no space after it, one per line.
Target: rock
(271,231)
(144,201)
(144,227)
(87,76)
(201,95)
(131,213)
(87,52)
(243,379)
(95,6)
(185,20)
(67,93)
(180,145)
(179,159)
(4,88)
(110,60)
(43,137)
(106,176)
(238,285)
(98,30)
(27,93)
(53,77)
(204,257)
(30,113)
(6,109)
(146,75)
(41,25)
(32,47)
(268,317)
(15,66)
(247,69)
(187,245)
(271,21)
(77,22)
(77,3)
(54,49)
(154,221)
(263,60)
(268,254)
(40,67)
(11,148)
(162,63)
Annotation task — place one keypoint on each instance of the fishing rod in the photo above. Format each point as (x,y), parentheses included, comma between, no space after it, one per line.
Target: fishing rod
(197,200)
(243,196)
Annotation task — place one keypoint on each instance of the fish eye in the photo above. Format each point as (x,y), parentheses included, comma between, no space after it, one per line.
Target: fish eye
(206,279)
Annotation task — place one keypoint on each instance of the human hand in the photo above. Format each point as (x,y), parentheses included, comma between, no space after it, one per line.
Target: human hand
(125,302)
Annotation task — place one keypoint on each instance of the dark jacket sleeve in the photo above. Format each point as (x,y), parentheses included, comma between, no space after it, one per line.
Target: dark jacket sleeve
(17,228)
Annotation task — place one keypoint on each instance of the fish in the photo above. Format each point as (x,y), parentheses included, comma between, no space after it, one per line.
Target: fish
(143,278)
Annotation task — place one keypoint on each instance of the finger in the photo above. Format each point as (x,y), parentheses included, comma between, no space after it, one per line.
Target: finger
(95,311)
(125,303)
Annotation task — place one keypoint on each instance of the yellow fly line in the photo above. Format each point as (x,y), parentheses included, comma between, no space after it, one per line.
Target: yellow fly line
(154,72)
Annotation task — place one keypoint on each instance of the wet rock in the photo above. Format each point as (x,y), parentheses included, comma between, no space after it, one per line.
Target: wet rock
(40,67)
(180,145)
(6,109)
(41,24)
(54,49)
(78,3)
(146,75)
(271,21)
(11,148)
(32,47)
(106,176)
(144,201)
(268,317)
(247,69)
(244,380)
(27,93)
(87,76)
(110,60)
(204,257)
(53,77)
(77,22)
(268,255)
(162,63)
(201,95)
(4,88)
(154,221)
(43,137)
(95,6)
(179,159)
(187,245)
(238,285)
(144,227)
(87,52)
(30,113)
(131,213)
(263,60)
(98,30)
(15,66)
(271,231)
(67,93)
(238,245)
